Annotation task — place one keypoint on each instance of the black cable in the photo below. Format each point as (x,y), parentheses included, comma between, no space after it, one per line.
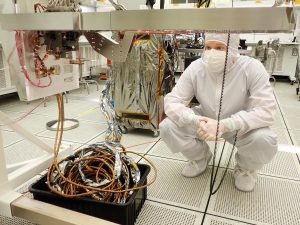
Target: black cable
(219,115)
(206,208)
(213,174)
(227,166)
(214,179)
(202,2)
(199,3)
(162,4)
(207,4)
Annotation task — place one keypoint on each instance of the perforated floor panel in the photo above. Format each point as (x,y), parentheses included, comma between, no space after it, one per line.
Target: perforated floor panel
(25,150)
(154,213)
(274,201)
(10,138)
(162,150)
(82,134)
(172,188)
(173,199)
(214,220)
(72,109)
(22,151)
(296,136)
(284,164)
(279,122)
(14,221)
(19,106)
(282,136)
(292,121)
(35,123)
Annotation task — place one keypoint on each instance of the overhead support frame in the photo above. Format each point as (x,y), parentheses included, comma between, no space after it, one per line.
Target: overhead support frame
(241,20)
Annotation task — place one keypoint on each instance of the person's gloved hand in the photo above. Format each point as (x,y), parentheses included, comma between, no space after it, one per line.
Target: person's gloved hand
(208,129)
(191,119)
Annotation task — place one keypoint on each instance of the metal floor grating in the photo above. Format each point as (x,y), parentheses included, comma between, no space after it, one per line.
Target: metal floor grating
(284,164)
(296,137)
(162,150)
(214,220)
(154,213)
(172,188)
(35,123)
(293,122)
(82,134)
(19,106)
(14,221)
(72,109)
(274,201)
(278,123)
(10,138)
(282,136)
(25,150)
(22,151)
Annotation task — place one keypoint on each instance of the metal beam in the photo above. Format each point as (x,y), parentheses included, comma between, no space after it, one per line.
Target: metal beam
(41,21)
(242,20)
(96,21)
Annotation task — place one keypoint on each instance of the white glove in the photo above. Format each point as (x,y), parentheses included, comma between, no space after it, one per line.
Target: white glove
(191,119)
(230,125)
(208,129)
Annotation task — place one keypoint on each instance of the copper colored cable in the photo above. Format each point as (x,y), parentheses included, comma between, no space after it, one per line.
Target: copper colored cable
(100,165)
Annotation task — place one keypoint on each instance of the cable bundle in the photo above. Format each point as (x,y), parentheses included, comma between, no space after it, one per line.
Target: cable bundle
(101,171)
(18,37)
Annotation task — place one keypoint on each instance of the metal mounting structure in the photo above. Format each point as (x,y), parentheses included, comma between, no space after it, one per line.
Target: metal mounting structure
(242,20)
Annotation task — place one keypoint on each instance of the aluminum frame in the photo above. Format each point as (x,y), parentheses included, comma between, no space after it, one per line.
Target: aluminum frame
(242,20)
(41,21)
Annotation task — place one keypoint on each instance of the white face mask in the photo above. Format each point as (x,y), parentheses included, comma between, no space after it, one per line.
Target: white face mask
(215,60)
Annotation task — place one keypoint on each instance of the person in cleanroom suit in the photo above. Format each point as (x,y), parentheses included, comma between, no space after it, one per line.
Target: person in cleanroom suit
(248,108)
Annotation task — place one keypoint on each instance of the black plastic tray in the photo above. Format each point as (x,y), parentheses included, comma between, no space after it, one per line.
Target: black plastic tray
(118,213)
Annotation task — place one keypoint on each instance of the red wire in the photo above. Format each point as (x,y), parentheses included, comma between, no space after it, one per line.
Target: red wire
(29,112)
(22,63)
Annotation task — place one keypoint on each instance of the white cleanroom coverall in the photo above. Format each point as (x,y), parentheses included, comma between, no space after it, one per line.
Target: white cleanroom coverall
(248,103)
